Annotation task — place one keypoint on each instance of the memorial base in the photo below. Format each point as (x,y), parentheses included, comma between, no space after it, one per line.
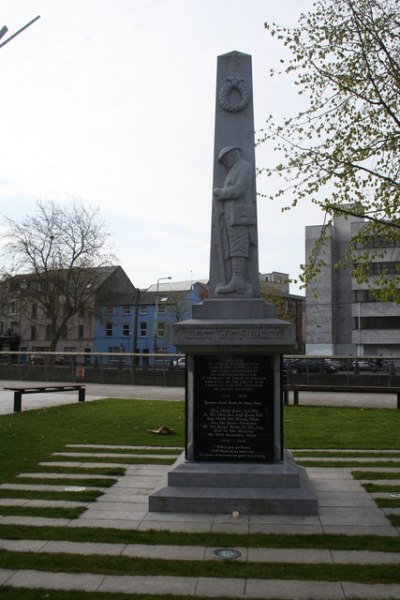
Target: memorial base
(275,489)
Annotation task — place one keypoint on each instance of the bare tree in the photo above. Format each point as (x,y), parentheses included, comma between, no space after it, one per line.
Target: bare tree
(53,260)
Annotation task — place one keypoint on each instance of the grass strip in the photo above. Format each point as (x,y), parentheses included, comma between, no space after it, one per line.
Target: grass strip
(347,464)
(47,512)
(83,496)
(107,451)
(394,520)
(104,483)
(387,502)
(373,487)
(131,460)
(9,593)
(378,475)
(344,454)
(125,565)
(230,540)
(106,471)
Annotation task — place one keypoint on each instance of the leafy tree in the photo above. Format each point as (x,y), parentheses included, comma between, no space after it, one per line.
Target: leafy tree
(343,150)
(52,261)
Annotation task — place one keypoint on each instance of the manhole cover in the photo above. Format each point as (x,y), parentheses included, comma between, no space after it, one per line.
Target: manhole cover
(227,553)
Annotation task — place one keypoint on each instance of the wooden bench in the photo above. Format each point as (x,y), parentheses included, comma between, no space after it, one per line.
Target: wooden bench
(18,391)
(296,388)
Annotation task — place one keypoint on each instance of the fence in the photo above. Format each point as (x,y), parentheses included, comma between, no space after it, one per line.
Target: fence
(116,368)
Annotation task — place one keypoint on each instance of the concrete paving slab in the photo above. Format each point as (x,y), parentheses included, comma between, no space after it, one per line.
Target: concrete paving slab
(355,499)
(83,548)
(295,590)
(212,587)
(180,586)
(5,575)
(165,552)
(60,581)
(369,591)
(105,523)
(22,545)
(286,529)
(354,516)
(37,521)
(290,555)
(365,557)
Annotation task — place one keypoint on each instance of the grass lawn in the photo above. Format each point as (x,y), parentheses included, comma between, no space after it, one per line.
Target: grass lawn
(31,437)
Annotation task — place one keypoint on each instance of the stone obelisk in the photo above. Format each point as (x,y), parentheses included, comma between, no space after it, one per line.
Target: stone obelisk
(234,253)
(234,458)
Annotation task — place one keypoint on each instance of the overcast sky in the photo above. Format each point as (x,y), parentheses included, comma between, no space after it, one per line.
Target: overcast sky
(112,102)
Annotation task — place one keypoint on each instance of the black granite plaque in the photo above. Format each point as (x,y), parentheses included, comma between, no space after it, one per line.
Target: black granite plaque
(233,408)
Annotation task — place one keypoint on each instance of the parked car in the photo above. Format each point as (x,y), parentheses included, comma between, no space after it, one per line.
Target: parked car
(365,365)
(311,365)
(39,359)
(180,363)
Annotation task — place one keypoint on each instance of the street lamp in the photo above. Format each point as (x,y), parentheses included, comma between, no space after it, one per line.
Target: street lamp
(155,311)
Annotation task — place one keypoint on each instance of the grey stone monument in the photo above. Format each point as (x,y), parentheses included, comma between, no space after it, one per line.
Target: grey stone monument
(234,458)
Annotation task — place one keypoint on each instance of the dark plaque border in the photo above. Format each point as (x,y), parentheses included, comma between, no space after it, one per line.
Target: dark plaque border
(233,413)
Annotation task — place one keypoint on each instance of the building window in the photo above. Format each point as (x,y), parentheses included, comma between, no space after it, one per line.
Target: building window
(113,350)
(143,329)
(126,309)
(109,329)
(161,329)
(34,311)
(80,331)
(12,307)
(377,323)
(81,312)
(161,309)
(143,310)
(33,332)
(125,329)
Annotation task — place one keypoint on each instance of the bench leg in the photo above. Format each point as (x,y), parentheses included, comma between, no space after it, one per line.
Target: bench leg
(17,401)
(285,397)
(81,397)
(398,400)
(295,397)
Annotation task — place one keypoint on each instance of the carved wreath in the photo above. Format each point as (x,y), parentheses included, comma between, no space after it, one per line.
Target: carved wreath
(234,83)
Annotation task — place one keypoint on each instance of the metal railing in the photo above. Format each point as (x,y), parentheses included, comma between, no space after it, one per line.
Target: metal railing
(100,367)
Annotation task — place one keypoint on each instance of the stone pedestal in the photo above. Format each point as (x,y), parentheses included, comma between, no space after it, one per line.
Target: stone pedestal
(234,458)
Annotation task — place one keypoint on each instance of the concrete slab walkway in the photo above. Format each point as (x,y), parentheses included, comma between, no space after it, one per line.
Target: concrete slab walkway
(344,508)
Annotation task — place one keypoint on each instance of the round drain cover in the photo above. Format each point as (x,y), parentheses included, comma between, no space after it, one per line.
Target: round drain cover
(227,553)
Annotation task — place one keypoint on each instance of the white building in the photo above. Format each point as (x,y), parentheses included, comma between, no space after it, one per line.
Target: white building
(342,316)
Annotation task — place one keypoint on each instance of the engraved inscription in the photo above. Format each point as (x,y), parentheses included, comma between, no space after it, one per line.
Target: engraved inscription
(272,334)
(233,409)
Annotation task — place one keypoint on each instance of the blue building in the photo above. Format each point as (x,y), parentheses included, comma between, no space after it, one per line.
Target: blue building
(158,308)
(141,321)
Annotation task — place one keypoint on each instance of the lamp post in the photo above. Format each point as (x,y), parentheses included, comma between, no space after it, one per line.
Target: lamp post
(155,311)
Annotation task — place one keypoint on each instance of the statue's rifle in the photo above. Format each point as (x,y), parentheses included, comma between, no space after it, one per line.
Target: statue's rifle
(218,240)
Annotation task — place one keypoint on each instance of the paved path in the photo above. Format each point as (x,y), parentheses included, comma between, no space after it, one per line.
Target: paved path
(344,508)
(95,391)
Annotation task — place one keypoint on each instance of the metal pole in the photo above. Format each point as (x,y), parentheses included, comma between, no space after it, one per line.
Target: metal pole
(19,31)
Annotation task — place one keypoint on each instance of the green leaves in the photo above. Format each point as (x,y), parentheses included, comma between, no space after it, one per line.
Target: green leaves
(345,146)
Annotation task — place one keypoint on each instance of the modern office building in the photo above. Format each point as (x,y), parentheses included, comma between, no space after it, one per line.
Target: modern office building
(342,316)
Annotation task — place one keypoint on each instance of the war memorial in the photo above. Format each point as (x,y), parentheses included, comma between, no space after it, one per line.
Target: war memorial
(234,460)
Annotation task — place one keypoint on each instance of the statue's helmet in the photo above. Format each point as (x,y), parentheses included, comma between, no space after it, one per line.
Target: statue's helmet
(225,151)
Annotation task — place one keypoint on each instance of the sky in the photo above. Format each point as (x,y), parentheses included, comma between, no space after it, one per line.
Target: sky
(112,102)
